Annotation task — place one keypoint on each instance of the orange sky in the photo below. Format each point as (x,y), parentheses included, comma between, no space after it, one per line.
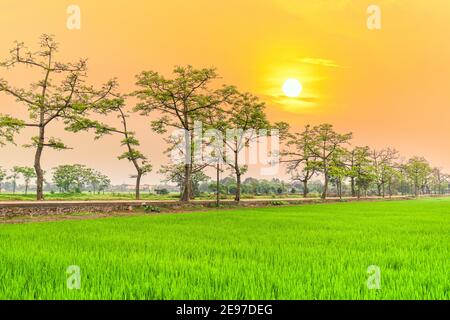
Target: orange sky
(389,87)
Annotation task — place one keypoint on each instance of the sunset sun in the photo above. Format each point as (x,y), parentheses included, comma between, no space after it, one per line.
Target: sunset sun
(292,88)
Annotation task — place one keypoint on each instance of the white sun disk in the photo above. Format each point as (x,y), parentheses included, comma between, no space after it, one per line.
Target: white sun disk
(292,88)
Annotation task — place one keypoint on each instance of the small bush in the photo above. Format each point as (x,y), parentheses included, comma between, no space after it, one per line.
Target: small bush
(279,203)
(314,194)
(151,209)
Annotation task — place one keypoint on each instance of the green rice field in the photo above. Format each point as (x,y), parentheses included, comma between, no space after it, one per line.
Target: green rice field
(319,251)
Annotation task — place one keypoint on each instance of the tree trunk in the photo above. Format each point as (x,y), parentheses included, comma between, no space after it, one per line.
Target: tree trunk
(14,187)
(325,187)
(38,168)
(352,180)
(379,189)
(340,189)
(138,185)
(238,187)
(305,188)
(26,188)
(416,190)
(187,183)
(218,186)
(237,197)
(187,186)
(191,190)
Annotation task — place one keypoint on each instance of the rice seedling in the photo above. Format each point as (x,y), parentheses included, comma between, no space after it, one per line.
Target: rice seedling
(318,251)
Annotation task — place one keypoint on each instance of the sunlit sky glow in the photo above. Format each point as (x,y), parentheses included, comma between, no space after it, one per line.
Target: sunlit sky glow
(389,87)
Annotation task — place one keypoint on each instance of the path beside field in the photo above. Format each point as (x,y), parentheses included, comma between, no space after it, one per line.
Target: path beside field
(44,208)
(143,202)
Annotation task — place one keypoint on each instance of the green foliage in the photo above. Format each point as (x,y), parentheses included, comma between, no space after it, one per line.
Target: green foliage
(279,203)
(361,168)
(61,93)
(83,124)
(27,172)
(75,178)
(130,140)
(56,144)
(162,191)
(151,209)
(176,174)
(187,94)
(323,143)
(9,126)
(3,176)
(177,103)
(131,155)
(417,170)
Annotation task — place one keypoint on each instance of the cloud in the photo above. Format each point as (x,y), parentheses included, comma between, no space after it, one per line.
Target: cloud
(299,99)
(321,62)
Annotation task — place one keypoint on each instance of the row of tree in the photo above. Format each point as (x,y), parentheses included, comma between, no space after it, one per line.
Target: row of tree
(67,178)
(62,94)
(320,150)
(190,96)
(78,178)
(26,173)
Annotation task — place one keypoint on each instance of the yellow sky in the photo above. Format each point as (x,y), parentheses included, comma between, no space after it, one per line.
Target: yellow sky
(389,87)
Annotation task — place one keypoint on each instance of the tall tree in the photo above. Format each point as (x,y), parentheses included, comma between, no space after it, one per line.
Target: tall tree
(361,170)
(98,181)
(176,167)
(27,174)
(418,170)
(392,175)
(439,181)
(129,140)
(70,178)
(15,173)
(352,170)
(242,124)
(382,162)
(301,162)
(49,99)
(3,175)
(214,121)
(323,142)
(339,169)
(175,173)
(179,102)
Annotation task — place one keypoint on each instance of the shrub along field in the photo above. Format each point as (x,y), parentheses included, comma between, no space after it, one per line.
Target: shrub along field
(318,251)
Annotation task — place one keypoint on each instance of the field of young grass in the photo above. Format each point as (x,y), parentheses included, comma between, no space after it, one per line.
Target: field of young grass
(317,251)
